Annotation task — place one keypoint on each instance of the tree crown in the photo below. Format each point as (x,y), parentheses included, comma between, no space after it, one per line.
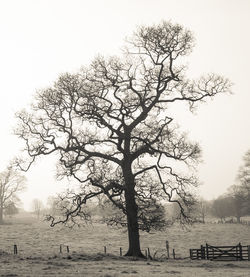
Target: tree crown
(109,123)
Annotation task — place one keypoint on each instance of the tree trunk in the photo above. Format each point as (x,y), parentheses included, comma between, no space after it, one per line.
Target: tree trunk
(133,227)
(134,249)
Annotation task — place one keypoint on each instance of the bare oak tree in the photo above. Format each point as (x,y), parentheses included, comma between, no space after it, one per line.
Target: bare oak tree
(243,177)
(112,128)
(11,183)
(37,207)
(241,190)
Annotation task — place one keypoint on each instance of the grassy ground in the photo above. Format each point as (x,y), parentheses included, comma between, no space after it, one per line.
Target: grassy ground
(38,251)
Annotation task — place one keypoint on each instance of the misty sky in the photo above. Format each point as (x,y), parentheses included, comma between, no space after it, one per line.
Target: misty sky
(42,38)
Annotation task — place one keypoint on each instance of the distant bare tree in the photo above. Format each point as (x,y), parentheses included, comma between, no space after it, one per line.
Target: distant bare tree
(202,209)
(37,207)
(11,183)
(222,207)
(52,207)
(10,209)
(243,182)
(244,171)
(112,126)
(239,202)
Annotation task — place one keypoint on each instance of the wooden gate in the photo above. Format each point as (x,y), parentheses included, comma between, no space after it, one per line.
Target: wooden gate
(221,253)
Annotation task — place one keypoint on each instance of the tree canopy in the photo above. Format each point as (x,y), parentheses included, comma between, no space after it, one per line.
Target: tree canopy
(109,125)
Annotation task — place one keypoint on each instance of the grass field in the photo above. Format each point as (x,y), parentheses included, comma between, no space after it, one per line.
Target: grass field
(38,251)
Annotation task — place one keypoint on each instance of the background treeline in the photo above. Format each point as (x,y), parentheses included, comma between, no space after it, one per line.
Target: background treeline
(231,207)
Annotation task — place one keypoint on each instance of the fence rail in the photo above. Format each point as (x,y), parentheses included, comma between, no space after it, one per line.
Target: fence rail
(221,253)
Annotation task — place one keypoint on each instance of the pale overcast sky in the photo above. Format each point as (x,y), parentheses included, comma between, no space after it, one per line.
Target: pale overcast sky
(42,38)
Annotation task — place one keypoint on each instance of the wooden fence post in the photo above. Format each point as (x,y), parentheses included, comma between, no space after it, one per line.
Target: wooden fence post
(60,248)
(15,249)
(173,253)
(240,248)
(203,253)
(167,247)
(67,249)
(248,252)
(105,250)
(120,251)
(207,252)
(191,254)
(149,255)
